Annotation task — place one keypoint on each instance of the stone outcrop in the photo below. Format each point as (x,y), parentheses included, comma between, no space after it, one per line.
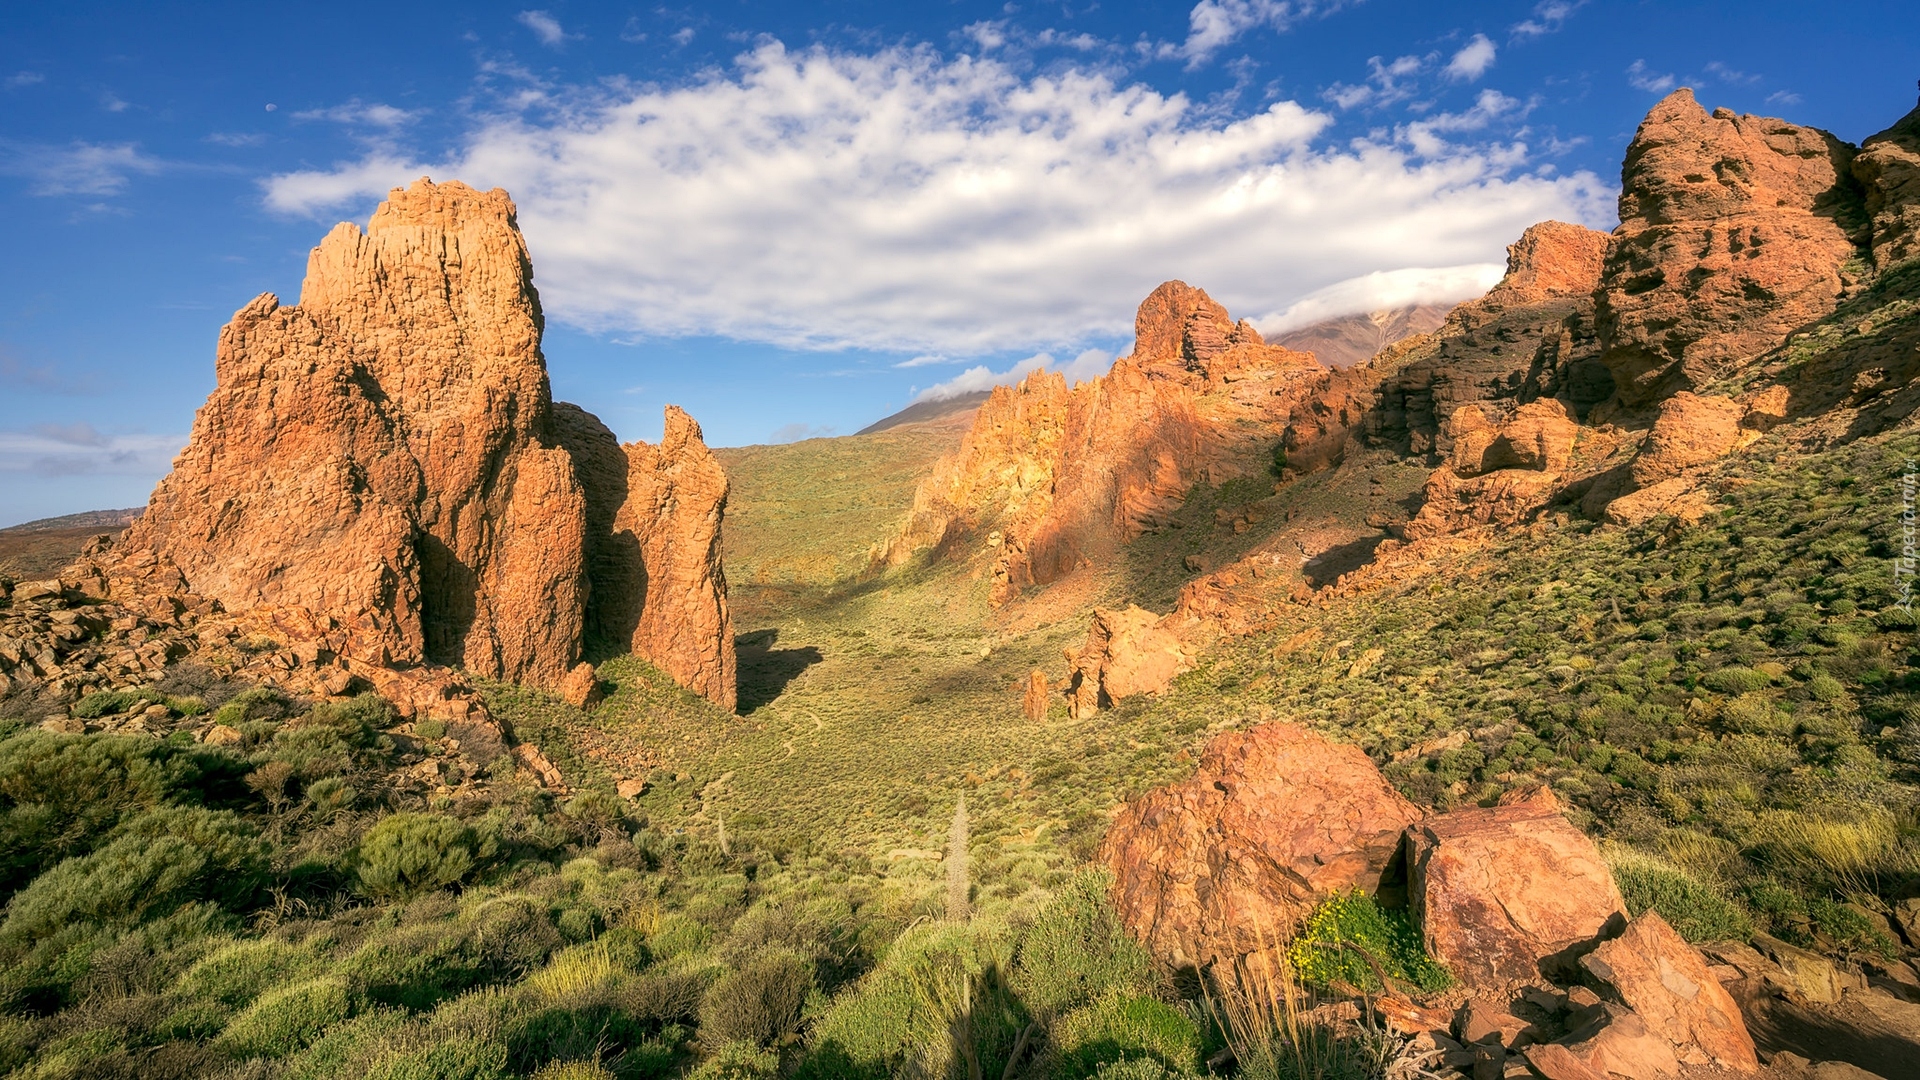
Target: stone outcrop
(1500,890)
(1037,696)
(1127,652)
(1499,474)
(384,452)
(1733,232)
(384,459)
(676,499)
(1056,478)
(1689,431)
(1221,866)
(1652,970)
(1530,338)
(1888,167)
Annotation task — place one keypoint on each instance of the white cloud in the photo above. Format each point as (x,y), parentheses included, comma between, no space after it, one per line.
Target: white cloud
(1783,97)
(1548,17)
(1387,83)
(51,450)
(544,26)
(683,35)
(1383,291)
(908,203)
(1641,78)
(79,168)
(987,35)
(356,112)
(1090,364)
(1472,61)
(1730,75)
(24,78)
(1212,25)
(925,360)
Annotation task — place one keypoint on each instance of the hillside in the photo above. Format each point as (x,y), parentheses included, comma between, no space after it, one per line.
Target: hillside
(991,787)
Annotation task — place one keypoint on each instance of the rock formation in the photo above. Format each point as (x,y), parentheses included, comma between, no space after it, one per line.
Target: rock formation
(385,458)
(1054,478)
(1223,865)
(1653,971)
(1498,891)
(1126,653)
(1888,167)
(676,498)
(1733,232)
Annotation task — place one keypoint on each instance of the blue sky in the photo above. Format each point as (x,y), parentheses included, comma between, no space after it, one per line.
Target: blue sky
(792,219)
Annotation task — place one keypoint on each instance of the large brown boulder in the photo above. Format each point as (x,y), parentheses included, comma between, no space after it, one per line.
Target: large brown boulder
(1539,436)
(1653,970)
(1500,890)
(1888,166)
(384,451)
(1733,231)
(1223,865)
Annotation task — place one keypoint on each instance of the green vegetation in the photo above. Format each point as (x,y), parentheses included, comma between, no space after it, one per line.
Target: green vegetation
(1350,940)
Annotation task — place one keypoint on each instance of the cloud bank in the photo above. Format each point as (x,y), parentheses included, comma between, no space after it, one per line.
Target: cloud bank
(910,202)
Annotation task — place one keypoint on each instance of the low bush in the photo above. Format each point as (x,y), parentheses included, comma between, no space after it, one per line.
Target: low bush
(1120,1027)
(1348,933)
(409,853)
(1697,910)
(758,1002)
(739,1061)
(1075,951)
(288,1019)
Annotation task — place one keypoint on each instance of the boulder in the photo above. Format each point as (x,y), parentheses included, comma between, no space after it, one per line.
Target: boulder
(1127,652)
(1552,1061)
(1656,973)
(1690,430)
(1452,504)
(1223,865)
(1617,1043)
(1539,436)
(1731,236)
(581,687)
(1814,978)
(1502,891)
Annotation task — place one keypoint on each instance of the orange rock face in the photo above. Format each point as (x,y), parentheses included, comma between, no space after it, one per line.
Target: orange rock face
(1223,865)
(1038,696)
(383,451)
(1056,478)
(1888,167)
(1126,653)
(385,460)
(1657,974)
(676,501)
(1733,231)
(1689,431)
(1499,890)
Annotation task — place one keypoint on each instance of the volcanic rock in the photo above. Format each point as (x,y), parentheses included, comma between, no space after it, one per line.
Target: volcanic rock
(1038,696)
(1733,231)
(1065,476)
(1617,1043)
(1126,653)
(1689,431)
(1540,436)
(581,687)
(1500,890)
(1888,167)
(1219,867)
(383,452)
(675,503)
(1656,973)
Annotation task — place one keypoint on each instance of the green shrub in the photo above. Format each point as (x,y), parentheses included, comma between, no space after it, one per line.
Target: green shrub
(409,853)
(1348,928)
(330,795)
(107,702)
(757,1002)
(258,703)
(154,864)
(1119,1027)
(237,973)
(1138,1069)
(286,1020)
(1695,909)
(61,794)
(679,936)
(574,1070)
(1076,951)
(739,1061)
(456,1058)
(1851,930)
(422,964)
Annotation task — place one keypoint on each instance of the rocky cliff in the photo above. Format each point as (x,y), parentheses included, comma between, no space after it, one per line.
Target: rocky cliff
(1052,478)
(386,455)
